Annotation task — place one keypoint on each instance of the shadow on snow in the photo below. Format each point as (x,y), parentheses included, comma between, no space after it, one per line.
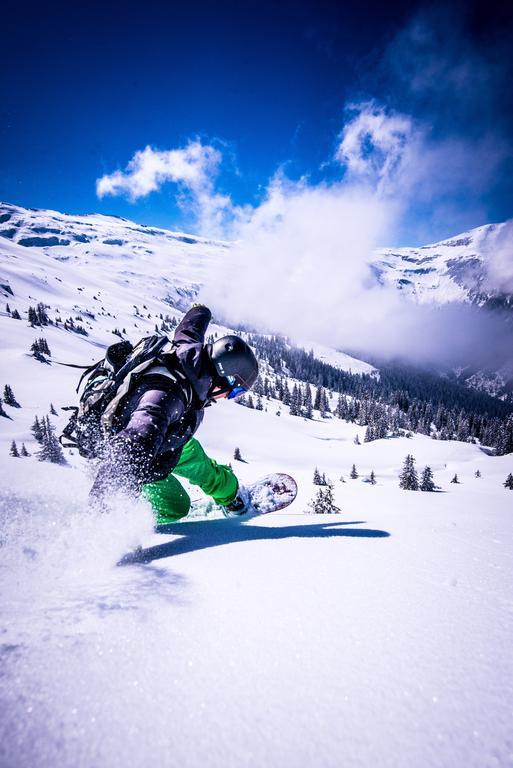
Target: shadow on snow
(198,535)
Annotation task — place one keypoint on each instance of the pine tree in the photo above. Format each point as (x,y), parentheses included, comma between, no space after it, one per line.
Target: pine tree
(32,316)
(426,482)
(50,446)
(52,410)
(9,398)
(37,430)
(477,473)
(42,317)
(455,480)
(356,440)
(295,402)
(509,482)
(341,410)
(24,451)
(372,478)
(2,411)
(237,455)
(326,403)
(329,501)
(8,309)
(15,315)
(323,502)
(408,479)
(308,409)
(317,477)
(259,406)
(354,474)
(14,450)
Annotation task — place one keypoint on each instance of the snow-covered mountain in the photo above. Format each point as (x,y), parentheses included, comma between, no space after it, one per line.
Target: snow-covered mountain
(455,269)
(452,270)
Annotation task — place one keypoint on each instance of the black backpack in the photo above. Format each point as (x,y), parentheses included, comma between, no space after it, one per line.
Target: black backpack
(107,383)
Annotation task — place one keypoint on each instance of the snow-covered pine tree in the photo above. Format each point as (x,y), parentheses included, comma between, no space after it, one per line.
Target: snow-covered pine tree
(52,410)
(329,502)
(477,473)
(42,316)
(9,398)
(286,393)
(323,502)
(509,482)
(353,474)
(259,405)
(408,479)
(32,316)
(2,411)
(356,440)
(307,402)
(325,403)
(317,477)
(372,478)
(455,479)
(504,438)
(237,455)
(24,451)
(250,401)
(50,446)
(37,430)
(426,482)
(341,409)
(15,315)
(316,505)
(14,450)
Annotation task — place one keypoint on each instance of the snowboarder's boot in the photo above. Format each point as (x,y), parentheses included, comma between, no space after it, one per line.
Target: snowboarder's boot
(241,504)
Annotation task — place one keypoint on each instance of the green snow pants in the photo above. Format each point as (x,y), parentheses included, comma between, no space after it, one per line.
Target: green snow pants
(170,500)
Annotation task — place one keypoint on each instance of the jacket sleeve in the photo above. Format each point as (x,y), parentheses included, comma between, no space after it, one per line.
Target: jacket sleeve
(130,454)
(189,341)
(193,326)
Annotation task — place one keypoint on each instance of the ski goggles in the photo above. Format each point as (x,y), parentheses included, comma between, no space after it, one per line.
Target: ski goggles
(235,390)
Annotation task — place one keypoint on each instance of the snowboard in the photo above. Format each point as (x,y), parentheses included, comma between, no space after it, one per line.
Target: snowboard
(271,493)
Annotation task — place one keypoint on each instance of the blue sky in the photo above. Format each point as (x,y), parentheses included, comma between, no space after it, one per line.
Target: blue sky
(270,88)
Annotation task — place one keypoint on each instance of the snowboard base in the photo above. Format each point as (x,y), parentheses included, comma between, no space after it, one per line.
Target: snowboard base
(273,492)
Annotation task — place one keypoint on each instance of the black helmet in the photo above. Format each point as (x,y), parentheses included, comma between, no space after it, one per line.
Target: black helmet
(232,357)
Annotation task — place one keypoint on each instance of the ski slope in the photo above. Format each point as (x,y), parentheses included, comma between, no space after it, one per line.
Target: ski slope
(380,636)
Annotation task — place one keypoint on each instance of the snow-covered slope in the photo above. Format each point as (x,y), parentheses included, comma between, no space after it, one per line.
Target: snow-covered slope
(379,636)
(455,269)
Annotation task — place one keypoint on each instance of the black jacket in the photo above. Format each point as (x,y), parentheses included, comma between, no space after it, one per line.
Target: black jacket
(161,414)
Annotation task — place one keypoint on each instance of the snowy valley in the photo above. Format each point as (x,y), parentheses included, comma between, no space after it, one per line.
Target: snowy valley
(376,636)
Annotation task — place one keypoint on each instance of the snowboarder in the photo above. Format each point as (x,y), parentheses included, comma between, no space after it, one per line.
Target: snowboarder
(158,419)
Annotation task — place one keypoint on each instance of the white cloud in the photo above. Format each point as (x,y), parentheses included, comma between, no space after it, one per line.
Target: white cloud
(378,146)
(149,169)
(499,251)
(194,168)
(301,264)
